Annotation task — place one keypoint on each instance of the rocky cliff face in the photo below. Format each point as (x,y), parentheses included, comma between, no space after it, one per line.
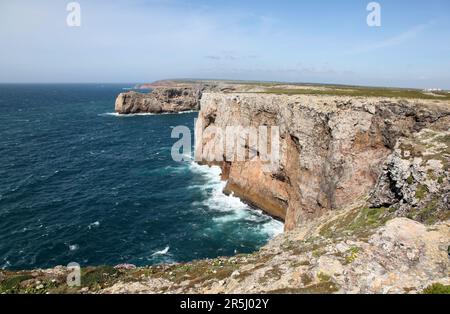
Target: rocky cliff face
(171,99)
(332,149)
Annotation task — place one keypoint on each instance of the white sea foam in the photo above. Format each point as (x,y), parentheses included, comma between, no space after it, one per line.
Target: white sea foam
(162,252)
(232,209)
(121,115)
(74,247)
(93,225)
(6,264)
(273,228)
(188,111)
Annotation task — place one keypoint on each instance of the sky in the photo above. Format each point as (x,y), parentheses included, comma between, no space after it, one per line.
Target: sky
(136,41)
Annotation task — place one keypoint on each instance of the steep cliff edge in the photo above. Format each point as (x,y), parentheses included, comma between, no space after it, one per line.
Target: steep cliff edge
(170,100)
(332,148)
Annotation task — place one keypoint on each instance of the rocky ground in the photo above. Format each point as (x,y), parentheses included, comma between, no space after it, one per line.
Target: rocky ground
(358,250)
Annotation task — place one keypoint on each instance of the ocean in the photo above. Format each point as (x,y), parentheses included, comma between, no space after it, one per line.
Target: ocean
(81,184)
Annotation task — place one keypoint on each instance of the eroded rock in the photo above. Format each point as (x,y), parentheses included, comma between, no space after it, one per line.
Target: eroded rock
(332,148)
(161,100)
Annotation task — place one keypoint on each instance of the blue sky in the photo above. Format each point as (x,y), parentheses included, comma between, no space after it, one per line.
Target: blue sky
(303,41)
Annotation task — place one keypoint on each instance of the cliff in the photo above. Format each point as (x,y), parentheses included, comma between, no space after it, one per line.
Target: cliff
(332,149)
(170,99)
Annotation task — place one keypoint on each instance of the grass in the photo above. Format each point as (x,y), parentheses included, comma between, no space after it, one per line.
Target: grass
(421,192)
(323,277)
(429,212)
(273,87)
(94,277)
(360,92)
(359,222)
(437,288)
(319,288)
(410,179)
(12,284)
(351,255)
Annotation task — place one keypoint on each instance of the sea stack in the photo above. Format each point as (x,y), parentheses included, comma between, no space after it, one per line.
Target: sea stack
(160,100)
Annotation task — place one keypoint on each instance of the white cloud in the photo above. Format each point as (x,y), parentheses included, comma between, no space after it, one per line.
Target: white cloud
(396,40)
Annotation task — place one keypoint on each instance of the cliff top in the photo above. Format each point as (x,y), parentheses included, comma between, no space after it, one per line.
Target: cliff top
(327,103)
(280,88)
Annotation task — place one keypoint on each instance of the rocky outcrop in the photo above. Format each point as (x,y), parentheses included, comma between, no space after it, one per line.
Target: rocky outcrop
(161,100)
(355,250)
(332,148)
(415,178)
(403,256)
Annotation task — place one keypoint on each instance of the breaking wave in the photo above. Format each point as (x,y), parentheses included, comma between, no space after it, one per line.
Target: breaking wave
(162,252)
(231,208)
(129,115)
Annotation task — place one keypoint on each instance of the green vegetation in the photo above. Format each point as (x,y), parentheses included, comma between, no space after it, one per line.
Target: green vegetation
(306,279)
(96,277)
(436,145)
(351,255)
(318,252)
(410,179)
(430,212)
(273,273)
(30,283)
(285,88)
(358,221)
(421,192)
(360,92)
(12,284)
(323,277)
(426,214)
(437,288)
(319,288)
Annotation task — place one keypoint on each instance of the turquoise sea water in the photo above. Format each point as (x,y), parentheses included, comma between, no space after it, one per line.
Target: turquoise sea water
(79,184)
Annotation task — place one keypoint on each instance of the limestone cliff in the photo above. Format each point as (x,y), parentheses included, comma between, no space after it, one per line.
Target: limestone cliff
(171,99)
(332,148)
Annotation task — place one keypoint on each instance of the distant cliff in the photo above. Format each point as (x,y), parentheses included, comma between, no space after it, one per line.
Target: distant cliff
(161,100)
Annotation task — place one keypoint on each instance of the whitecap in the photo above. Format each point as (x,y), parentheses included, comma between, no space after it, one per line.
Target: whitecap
(74,247)
(93,225)
(162,252)
(122,115)
(6,264)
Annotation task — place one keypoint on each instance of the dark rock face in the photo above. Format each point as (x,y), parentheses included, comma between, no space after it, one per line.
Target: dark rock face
(161,100)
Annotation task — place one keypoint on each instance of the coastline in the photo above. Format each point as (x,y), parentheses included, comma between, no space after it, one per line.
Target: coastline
(387,239)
